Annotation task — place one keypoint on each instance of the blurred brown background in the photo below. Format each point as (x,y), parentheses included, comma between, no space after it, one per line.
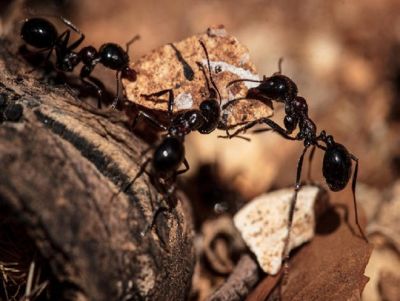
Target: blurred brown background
(344,57)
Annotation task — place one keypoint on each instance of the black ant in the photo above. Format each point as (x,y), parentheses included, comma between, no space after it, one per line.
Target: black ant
(43,35)
(337,161)
(169,154)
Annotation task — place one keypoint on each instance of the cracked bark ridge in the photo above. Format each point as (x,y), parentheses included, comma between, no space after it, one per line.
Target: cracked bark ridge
(60,167)
(174,66)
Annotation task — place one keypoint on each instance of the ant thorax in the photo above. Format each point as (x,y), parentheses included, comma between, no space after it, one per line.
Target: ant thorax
(67,62)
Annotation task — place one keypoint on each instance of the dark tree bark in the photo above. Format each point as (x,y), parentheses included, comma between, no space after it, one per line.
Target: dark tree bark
(60,166)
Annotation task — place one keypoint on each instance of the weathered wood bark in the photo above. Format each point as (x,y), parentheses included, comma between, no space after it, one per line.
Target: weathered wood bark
(59,169)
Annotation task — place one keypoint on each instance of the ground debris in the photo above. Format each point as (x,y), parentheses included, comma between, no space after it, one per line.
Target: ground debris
(263,224)
(175,66)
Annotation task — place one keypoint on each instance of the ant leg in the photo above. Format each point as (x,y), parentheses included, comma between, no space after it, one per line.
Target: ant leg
(93,82)
(237,136)
(273,126)
(62,42)
(44,62)
(170,192)
(150,225)
(211,91)
(116,99)
(76,29)
(150,118)
(257,131)
(130,42)
(253,96)
(232,101)
(187,167)
(131,182)
(242,129)
(139,173)
(292,207)
(353,188)
(215,88)
(97,85)
(310,158)
(171,98)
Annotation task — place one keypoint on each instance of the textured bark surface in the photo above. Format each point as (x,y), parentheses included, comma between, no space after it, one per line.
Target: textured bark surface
(60,167)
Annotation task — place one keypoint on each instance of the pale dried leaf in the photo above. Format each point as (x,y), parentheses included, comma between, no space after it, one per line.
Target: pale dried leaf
(263,224)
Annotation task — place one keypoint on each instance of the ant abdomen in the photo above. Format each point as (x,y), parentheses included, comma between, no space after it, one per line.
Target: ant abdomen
(39,33)
(169,155)
(211,111)
(336,166)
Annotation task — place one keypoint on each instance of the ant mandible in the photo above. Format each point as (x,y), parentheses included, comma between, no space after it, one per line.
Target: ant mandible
(337,161)
(42,34)
(169,154)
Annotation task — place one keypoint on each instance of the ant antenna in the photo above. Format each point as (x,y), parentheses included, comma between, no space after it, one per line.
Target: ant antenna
(131,41)
(209,71)
(280,61)
(353,188)
(200,65)
(243,80)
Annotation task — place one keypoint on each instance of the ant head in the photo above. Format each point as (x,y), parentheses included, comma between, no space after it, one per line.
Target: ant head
(129,73)
(88,54)
(336,166)
(168,155)
(278,87)
(211,110)
(113,56)
(39,33)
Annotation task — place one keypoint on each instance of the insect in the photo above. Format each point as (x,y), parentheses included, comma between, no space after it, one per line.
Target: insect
(42,34)
(337,161)
(169,154)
